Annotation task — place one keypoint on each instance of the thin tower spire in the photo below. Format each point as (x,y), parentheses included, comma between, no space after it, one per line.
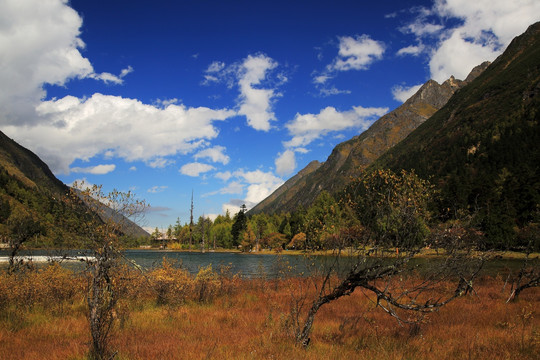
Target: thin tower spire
(191,222)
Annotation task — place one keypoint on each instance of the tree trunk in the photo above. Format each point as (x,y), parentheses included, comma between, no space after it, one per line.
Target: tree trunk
(303,337)
(101,302)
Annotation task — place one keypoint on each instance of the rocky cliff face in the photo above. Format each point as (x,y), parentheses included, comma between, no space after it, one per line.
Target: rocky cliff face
(351,157)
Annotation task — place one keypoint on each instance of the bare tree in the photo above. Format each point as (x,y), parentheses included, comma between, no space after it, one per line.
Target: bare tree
(382,256)
(106,223)
(528,275)
(392,284)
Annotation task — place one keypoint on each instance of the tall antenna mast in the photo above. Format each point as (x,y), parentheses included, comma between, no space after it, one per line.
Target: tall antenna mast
(191,222)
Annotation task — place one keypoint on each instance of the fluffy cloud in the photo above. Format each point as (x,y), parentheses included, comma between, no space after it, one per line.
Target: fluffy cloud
(257,90)
(110,78)
(403,93)
(225,176)
(484,29)
(44,48)
(413,50)
(234,187)
(309,127)
(421,28)
(195,169)
(255,103)
(41,51)
(73,128)
(285,163)
(259,185)
(96,170)
(216,154)
(446,61)
(356,53)
(212,73)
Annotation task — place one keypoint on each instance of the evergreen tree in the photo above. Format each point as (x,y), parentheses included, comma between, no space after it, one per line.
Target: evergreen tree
(239,225)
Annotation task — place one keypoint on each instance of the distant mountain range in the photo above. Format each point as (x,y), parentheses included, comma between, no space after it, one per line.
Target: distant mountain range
(477,140)
(350,158)
(29,188)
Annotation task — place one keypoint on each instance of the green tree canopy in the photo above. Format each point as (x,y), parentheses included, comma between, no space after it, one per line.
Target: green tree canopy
(393,208)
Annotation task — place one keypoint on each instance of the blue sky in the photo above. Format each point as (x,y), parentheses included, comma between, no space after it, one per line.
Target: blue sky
(227,99)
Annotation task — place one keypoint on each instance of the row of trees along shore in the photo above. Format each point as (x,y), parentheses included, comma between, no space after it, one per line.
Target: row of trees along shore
(376,228)
(318,226)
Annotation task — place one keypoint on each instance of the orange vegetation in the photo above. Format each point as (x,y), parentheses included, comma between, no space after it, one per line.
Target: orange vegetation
(169,314)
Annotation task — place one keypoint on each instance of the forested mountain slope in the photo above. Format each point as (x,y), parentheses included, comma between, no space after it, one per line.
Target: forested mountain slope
(30,194)
(482,149)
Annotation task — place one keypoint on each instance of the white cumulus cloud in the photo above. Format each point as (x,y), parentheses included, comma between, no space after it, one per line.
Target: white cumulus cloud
(216,154)
(225,175)
(285,162)
(356,53)
(39,44)
(73,128)
(257,185)
(457,56)
(305,128)
(257,83)
(480,31)
(255,102)
(110,78)
(195,169)
(96,170)
(403,93)
(413,50)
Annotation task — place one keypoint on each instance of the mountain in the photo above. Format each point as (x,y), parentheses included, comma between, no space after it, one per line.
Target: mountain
(350,158)
(27,167)
(127,226)
(28,188)
(482,149)
(284,194)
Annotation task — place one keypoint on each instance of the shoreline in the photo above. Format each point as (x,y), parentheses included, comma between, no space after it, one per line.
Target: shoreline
(426,253)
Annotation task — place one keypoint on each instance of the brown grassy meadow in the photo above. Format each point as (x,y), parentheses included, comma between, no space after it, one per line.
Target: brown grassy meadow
(170,314)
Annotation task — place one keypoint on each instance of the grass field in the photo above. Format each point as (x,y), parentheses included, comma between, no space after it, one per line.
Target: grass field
(170,314)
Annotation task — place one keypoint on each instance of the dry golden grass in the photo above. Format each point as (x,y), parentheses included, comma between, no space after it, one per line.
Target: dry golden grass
(250,319)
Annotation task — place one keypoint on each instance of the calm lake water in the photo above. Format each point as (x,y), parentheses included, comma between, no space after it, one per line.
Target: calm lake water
(246,265)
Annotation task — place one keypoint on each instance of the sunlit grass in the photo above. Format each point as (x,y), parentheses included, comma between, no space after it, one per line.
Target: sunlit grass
(250,319)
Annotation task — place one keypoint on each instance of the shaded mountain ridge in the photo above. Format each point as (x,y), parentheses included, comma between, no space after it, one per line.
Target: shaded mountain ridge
(348,159)
(28,188)
(482,149)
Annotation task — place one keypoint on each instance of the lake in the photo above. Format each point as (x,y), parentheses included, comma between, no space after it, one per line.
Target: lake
(246,265)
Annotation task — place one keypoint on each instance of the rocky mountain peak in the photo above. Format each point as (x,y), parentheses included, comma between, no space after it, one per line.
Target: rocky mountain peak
(476,71)
(349,158)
